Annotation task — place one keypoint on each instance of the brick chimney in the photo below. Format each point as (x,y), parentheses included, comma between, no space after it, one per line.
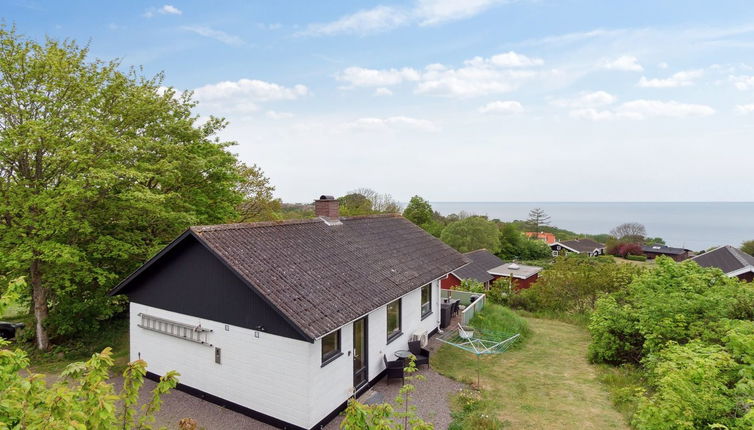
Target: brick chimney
(326,207)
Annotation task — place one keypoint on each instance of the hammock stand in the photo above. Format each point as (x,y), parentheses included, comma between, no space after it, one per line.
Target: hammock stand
(463,338)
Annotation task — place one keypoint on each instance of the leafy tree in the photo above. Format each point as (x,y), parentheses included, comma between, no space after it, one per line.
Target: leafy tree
(472,233)
(98,170)
(418,211)
(258,202)
(537,219)
(515,245)
(471,285)
(748,247)
(82,398)
(630,231)
(353,204)
(574,282)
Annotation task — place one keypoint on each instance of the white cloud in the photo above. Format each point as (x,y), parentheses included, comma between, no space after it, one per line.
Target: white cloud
(271,114)
(361,77)
(502,107)
(243,96)
(663,65)
(645,109)
(625,62)
(393,123)
(745,109)
(641,109)
(742,82)
(219,35)
(587,100)
(382,91)
(478,76)
(163,10)
(680,79)
(382,18)
(430,12)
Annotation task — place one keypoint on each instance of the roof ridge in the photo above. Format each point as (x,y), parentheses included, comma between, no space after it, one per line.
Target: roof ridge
(245,225)
(737,254)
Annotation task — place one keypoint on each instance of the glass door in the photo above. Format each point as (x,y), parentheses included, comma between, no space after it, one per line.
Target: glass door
(360,353)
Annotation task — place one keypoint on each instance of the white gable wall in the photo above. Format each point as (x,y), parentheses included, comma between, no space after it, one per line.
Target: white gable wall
(268,374)
(275,375)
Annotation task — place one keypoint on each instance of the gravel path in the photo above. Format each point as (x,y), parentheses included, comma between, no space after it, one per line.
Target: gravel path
(431,400)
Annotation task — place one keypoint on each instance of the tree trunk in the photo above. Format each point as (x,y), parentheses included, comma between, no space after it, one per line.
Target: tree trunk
(39,297)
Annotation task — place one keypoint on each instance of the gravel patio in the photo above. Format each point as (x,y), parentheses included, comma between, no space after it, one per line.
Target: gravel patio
(431,399)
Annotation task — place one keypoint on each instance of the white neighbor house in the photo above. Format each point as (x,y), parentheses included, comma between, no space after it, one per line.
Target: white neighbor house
(285,321)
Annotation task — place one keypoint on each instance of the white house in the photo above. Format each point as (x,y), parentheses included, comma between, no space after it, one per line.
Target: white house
(285,321)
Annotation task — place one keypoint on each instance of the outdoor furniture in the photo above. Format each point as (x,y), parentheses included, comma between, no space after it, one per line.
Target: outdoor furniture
(454,306)
(402,354)
(446,312)
(421,354)
(393,369)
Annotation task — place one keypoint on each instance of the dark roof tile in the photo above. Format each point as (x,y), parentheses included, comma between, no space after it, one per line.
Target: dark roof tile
(481,261)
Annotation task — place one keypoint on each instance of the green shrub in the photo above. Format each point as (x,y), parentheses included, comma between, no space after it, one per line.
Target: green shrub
(633,257)
(470,411)
(498,323)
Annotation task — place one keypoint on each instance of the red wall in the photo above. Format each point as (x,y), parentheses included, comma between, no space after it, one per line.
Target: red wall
(520,284)
(748,277)
(450,283)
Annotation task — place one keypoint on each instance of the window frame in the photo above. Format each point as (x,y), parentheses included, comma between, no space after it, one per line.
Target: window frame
(330,356)
(428,303)
(397,332)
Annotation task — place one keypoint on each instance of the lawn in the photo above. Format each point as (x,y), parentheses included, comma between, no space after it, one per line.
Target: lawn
(546,383)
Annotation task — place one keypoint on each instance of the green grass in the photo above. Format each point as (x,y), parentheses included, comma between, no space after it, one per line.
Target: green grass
(498,323)
(547,383)
(623,383)
(578,319)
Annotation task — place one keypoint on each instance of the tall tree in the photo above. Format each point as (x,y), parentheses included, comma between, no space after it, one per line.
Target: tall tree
(418,211)
(748,247)
(258,202)
(472,233)
(629,231)
(98,169)
(537,218)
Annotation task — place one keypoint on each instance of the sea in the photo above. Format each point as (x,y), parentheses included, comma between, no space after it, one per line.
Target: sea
(692,225)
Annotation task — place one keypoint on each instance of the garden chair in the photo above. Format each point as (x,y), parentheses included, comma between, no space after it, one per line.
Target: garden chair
(421,354)
(393,369)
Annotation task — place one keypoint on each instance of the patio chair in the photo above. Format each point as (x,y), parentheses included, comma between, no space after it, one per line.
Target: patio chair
(421,354)
(393,369)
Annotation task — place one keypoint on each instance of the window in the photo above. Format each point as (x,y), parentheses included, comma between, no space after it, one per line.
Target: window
(426,300)
(331,347)
(393,320)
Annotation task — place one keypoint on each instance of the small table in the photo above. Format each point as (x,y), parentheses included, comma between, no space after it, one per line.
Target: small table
(402,354)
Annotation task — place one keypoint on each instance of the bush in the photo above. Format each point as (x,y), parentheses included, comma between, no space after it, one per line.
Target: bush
(498,323)
(633,257)
(81,398)
(573,284)
(623,248)
(471,412)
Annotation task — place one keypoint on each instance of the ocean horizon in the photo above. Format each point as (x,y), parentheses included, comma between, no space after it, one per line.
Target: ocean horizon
(693,225)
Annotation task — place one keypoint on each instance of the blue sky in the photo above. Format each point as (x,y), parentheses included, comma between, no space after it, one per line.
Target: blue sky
(455,100)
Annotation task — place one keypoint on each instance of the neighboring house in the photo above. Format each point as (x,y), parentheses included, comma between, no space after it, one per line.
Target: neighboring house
(481,261)
(547,238)
(522,275)
(285,321)
(730,260)
(654,251)
(578,246)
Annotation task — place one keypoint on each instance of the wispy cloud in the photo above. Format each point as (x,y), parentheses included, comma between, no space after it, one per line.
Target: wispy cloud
(586,100)
(163,10)
(745,109)
(680,79)
(244,96)
(507,107)
(645,109)
(624,62)
(393,123)
(383,18)
(742,82)
(218,35)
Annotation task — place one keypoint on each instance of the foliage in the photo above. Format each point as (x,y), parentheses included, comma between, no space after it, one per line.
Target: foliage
(573,284)
(515,245)
(498,323)
(691,329)
(471,285)
(629,231)
(537,218)
(98,170)
(622,248)
(359,416)
(748,247)
(258,202)
(625,384)
(353,204)
(420,212)
(501,290)
(472,233)
(81,399)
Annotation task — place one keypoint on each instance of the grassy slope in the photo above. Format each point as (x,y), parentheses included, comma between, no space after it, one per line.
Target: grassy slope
(546,384)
